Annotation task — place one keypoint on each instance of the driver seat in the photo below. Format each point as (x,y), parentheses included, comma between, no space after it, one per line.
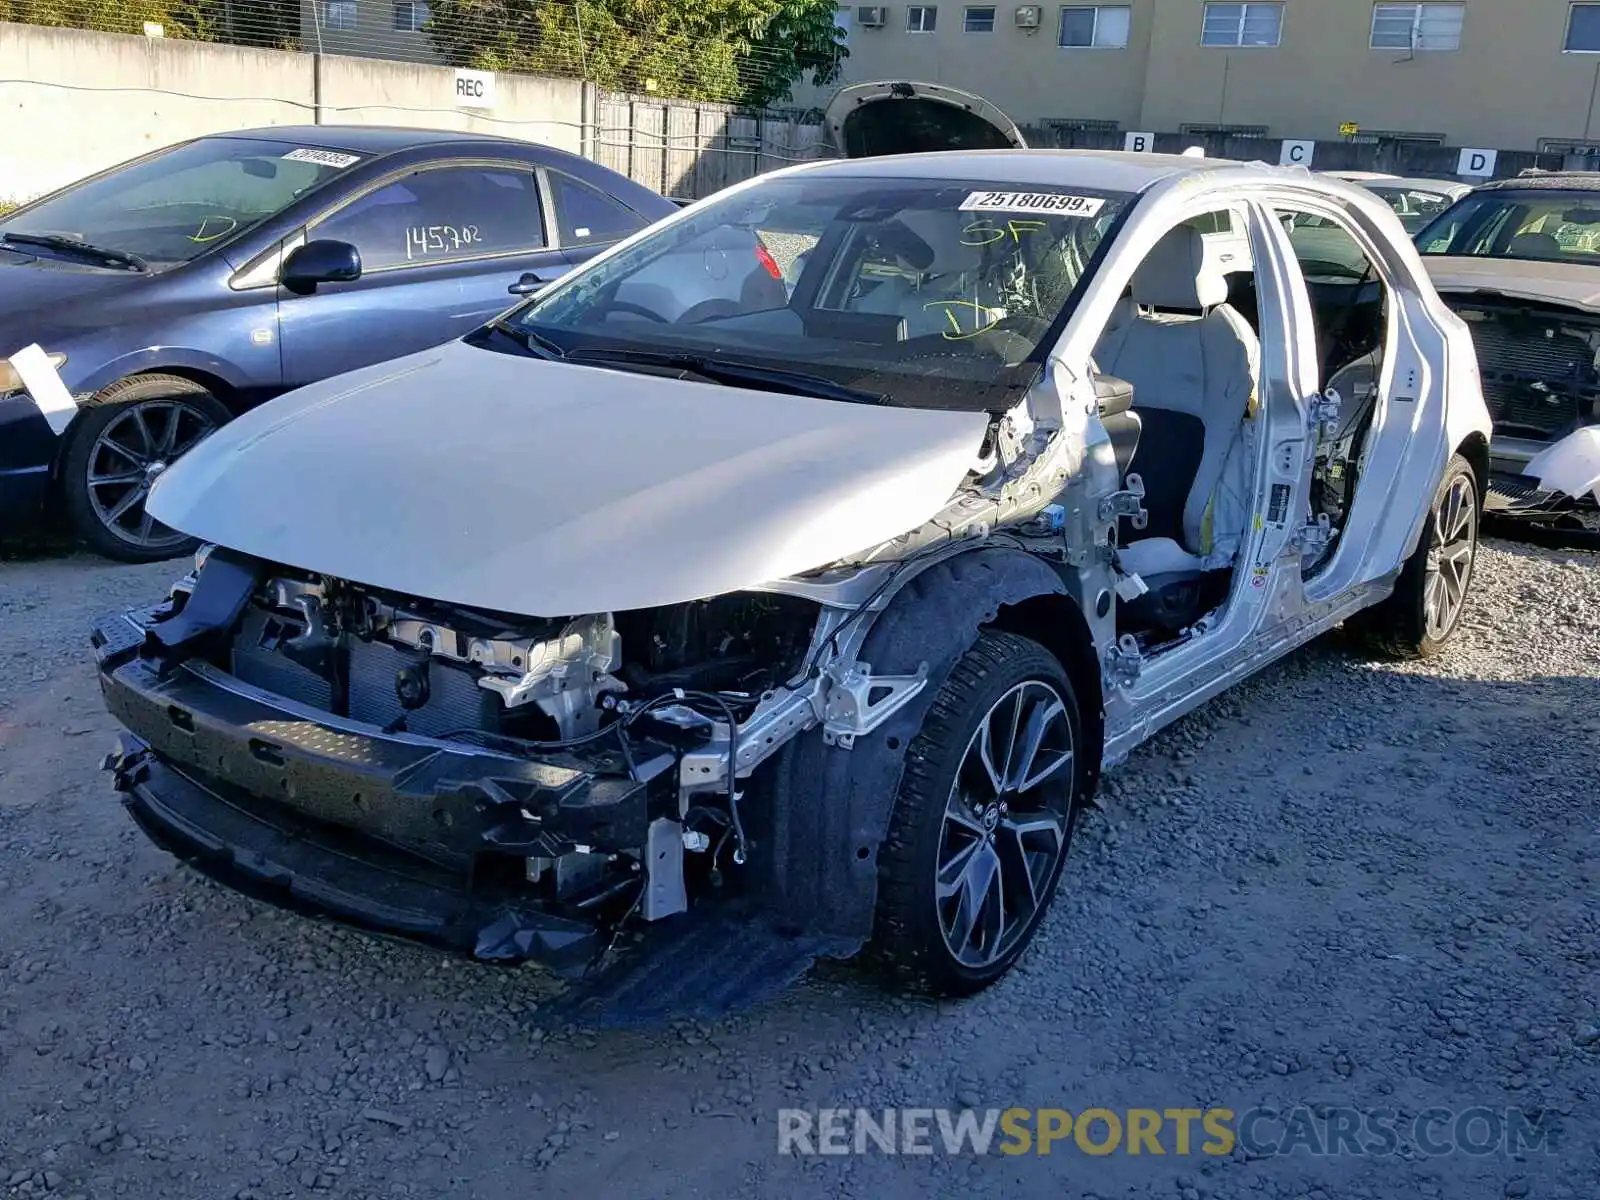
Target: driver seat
(1192,362)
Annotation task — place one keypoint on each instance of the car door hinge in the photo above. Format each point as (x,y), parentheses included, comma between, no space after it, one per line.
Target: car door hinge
(1324,409)
(1127,503)
(1123,662)
(1314,536)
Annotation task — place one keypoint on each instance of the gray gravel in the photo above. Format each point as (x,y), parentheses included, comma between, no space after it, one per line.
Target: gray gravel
(1342,884)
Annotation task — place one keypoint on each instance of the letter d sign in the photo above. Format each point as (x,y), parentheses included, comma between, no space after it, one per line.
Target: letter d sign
(1478,164)
(1138,143)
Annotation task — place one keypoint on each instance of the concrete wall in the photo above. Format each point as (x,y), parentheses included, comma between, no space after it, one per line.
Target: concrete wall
(97,99)
(370,91)
(93,100)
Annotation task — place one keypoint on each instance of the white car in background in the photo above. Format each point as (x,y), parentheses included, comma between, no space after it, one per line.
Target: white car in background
(805,623)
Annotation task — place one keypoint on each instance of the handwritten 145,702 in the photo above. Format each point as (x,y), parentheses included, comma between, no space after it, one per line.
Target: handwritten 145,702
(423,241)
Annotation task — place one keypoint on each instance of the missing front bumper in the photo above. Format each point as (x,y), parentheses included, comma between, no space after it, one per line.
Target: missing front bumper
(404,835)
(265,852)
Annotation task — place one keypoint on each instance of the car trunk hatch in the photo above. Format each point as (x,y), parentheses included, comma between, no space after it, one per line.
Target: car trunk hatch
(870,119)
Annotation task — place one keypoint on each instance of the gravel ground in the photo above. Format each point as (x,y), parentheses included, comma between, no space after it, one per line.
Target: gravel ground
(1342,884)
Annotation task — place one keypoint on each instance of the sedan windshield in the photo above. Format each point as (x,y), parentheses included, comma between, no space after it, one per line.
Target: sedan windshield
(928,293)
(177,204)
(1541,226)
(1415,206)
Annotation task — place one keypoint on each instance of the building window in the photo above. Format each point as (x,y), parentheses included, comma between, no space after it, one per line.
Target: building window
(1242,25)
(1583,29)
(1104,27)
(1250,131)
(411,15)
(921,18)
(978,20)
(1417,26)
(337,14)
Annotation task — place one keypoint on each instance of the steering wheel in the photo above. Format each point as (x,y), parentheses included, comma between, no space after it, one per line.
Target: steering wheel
(637,310)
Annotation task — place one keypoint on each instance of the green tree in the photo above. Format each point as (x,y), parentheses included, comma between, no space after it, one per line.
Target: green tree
(743,51)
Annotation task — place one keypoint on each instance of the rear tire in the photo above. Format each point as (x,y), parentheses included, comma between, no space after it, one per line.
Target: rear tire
(1424,612)
(120,444)
(982,820)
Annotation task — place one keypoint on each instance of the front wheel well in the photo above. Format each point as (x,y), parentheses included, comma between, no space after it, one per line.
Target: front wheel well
(224,391)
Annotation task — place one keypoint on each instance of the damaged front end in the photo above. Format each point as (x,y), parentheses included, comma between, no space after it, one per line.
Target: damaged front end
(1540,367)
(516,789)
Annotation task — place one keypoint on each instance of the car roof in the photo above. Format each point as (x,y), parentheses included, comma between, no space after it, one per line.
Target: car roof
(1107,170)
(370,139)
(1548,181)
(1419,183)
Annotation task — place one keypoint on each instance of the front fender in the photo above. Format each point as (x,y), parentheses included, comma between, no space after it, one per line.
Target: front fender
(816,835)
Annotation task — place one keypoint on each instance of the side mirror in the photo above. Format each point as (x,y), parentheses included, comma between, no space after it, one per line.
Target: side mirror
(323,261)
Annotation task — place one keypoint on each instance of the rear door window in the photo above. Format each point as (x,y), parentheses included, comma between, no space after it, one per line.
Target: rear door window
(440,214)
(586,216)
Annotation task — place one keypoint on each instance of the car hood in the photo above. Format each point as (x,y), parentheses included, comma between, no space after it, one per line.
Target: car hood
(548,489)
(1571,284)
(887,117)
(29,288)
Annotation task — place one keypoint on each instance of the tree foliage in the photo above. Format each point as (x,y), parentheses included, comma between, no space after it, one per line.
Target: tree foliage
(272,24)
(745,51)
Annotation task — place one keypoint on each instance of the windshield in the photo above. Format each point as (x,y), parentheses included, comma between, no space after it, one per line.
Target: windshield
(175,206)
(1541,226)
(1415,206)
(929,293)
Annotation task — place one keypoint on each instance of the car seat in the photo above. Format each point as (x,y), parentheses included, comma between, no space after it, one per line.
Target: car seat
(1192,362)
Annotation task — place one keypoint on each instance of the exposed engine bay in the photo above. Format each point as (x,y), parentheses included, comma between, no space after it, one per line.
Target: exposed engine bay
(516,787)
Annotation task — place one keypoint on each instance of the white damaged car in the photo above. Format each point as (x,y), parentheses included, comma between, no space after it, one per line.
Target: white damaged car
(677,642)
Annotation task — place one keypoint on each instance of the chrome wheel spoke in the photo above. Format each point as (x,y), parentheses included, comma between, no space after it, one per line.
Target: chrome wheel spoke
(998,857)
(120,479)
(129,454)
(1028,849)
(1034,761)
(977,917)
(122,506)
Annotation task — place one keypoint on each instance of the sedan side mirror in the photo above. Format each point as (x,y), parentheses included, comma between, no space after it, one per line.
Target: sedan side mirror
(322,261)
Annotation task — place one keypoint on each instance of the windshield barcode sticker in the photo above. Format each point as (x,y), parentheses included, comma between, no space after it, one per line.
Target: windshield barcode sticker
(323,158)
(1058,203)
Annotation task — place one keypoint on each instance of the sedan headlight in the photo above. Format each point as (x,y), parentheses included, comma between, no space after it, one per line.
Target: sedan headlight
(10,381)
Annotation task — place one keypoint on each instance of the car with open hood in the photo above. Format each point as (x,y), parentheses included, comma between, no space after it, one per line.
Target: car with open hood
(1519,260)
(147,305)
(673,639)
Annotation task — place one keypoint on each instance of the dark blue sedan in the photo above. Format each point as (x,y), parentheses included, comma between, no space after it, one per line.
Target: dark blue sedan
(175,291)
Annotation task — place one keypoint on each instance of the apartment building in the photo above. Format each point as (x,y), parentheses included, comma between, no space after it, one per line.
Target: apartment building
(367,29)
(1511,74)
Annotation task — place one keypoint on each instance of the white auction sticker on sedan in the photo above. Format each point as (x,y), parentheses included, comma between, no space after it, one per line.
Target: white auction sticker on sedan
(1034,202)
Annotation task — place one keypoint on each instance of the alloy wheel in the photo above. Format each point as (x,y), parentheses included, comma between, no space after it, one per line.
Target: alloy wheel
(1449,563)
(130,454)
(1005,824)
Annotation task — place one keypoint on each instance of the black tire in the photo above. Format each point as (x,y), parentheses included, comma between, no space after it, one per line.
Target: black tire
(911,935)
(143,402)
(1407,624)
